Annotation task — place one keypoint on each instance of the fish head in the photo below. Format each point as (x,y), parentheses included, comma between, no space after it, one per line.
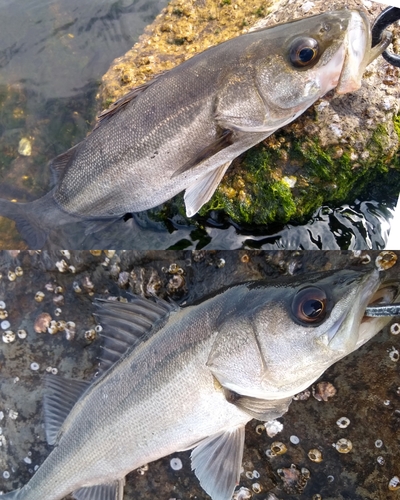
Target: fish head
(309,57)
(284,335)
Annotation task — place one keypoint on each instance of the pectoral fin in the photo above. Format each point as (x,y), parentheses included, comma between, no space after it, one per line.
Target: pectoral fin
(201,191)
(260,409)
(111,491)
(217,462)
(222,142)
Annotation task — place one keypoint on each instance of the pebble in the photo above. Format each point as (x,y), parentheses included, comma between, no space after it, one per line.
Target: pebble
(25,147)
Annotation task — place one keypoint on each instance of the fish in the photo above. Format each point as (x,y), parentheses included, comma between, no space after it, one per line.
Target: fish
(181,130)
(176,378)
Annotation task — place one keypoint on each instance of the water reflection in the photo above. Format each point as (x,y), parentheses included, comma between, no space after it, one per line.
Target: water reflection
(362,225)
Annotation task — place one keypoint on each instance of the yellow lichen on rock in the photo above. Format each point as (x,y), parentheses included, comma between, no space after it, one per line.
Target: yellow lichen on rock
(182,29)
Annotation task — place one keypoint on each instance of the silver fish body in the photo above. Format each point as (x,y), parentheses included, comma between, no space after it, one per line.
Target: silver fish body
(198,376)
(181,130)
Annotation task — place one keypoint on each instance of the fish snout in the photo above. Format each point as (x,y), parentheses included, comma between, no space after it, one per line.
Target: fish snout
(358,42)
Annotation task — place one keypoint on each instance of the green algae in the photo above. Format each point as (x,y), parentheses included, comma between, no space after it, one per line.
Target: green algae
(257,192)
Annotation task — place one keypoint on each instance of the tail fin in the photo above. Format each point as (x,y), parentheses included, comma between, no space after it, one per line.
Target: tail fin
(27,220)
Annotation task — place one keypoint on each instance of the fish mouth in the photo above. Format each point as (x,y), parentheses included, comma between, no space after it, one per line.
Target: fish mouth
(358,52)
(374,294)
(386,294)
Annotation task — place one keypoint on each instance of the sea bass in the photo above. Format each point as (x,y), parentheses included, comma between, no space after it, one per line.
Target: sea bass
(181,130)
(180,378)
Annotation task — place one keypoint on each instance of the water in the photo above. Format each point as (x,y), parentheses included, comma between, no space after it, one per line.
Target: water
(52,57)
(57,47)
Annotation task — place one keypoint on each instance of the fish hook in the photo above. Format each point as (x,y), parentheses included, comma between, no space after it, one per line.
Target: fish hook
(389,16)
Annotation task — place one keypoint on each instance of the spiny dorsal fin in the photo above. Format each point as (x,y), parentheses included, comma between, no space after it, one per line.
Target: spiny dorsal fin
(59,398)
(110,491)
(122,102)
(126,324)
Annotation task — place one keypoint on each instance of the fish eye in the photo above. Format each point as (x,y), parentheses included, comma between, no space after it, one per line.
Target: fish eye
(303,51)
(309,305)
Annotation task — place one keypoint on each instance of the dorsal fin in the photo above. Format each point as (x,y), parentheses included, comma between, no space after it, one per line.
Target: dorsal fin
(59,398)
(126,324)
(125,99)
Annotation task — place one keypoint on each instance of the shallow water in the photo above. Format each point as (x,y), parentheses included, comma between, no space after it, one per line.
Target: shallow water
(367,381)
(52,56)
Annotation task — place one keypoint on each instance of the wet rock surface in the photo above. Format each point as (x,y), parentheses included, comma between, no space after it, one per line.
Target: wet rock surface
(363,408)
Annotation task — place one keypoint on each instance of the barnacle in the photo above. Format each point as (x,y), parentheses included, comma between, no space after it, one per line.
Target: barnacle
(315,455)
(176,463)
(278,448)
(22,334)
(395,329)
(385,260)
(343,422)
(294,480)
(39,296)
(62,266)
(19,271)
(394,483)
(273,427)
(323,391)
(8,337)
(344,445)
(42,322)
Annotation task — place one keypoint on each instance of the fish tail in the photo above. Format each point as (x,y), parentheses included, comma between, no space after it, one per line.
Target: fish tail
(27,220)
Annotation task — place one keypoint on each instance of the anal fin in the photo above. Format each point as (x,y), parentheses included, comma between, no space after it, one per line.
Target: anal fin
(110,491)
(201,191)
(59,398)
(217,462)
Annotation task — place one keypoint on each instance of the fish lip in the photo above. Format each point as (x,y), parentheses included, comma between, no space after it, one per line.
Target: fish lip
(358,41)
(386,294)
(368,291)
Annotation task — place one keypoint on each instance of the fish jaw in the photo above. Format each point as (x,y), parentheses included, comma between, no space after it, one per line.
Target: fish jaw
(344,336)
(387,294)
(358,53)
